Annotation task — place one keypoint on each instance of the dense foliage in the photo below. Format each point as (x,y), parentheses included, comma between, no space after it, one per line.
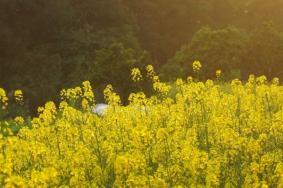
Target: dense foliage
(236,51)
(189,134)
(48,45)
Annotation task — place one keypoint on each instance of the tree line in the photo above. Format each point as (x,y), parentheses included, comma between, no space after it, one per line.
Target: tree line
(49,45)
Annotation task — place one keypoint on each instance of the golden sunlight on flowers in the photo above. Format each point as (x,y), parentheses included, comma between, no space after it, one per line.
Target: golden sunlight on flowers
(190,134)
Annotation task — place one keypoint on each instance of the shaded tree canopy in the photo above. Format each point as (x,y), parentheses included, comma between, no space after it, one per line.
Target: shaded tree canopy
(48,45)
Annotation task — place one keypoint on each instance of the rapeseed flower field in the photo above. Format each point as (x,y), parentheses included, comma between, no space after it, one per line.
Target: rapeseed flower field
(205,134)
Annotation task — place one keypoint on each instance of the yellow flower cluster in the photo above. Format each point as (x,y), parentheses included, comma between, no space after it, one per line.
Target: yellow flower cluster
(71,94)
(218,74)
(111,97)
(150,71)
(136,75)
(206,135)
(197,66)
(19,120)
(79,96)
(18,95)
(3,99)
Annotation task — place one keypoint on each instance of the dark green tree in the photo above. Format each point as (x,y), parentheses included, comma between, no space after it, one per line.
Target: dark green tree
(216,49)
(264,52)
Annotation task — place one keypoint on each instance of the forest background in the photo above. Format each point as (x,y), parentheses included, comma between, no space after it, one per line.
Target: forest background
(49,45)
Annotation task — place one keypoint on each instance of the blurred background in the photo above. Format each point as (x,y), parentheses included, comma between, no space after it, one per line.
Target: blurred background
(49,45)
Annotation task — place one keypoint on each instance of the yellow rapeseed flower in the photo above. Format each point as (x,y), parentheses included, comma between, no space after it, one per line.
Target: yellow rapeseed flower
(218,73)
(190,134)
(3,98)
(197,66)
(19,97)
(136,75)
